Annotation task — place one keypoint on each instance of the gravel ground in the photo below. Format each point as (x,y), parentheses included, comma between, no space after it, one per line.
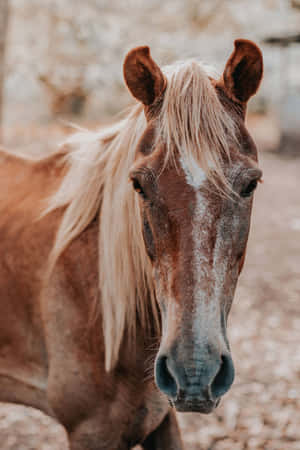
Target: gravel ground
(261,411)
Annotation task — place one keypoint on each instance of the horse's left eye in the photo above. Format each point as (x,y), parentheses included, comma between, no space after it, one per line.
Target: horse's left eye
(248,190)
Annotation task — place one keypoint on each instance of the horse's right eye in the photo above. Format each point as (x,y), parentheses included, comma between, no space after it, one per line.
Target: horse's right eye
(138,188)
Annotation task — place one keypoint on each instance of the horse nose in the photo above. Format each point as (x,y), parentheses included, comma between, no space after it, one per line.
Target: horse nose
(224,378)
(205,380)
(166,378)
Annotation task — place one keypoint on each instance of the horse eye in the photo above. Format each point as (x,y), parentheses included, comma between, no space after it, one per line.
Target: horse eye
(138,188)
(247,191)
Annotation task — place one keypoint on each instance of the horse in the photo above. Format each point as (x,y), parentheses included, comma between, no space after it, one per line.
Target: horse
(120,254)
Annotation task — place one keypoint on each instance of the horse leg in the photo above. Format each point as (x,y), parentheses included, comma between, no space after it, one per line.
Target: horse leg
(87,436)
(85,413)
(166,436)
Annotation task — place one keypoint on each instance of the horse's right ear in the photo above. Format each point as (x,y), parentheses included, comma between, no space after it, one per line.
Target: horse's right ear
(143,77)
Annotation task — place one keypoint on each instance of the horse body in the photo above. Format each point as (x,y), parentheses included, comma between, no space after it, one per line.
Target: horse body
(122,397)
(26,306)
(26,243)
(87,282)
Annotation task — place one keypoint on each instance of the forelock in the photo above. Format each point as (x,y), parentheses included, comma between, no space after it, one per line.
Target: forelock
(193,121)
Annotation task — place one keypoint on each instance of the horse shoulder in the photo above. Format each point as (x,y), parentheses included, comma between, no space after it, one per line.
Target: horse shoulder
(26,241)
(74,348)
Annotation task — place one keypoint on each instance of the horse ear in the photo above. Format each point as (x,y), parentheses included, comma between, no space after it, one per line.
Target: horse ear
(143,77)
(243,71)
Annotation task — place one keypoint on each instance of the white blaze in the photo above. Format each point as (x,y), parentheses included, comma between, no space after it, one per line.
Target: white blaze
(205,311)
(194,175)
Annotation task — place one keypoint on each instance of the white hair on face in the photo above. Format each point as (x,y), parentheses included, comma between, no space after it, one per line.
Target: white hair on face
(194,177)
(193,122)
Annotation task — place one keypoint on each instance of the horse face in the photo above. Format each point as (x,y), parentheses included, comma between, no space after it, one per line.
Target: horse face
(196,239)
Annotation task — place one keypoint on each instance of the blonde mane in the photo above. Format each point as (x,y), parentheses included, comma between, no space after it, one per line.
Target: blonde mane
(193,121)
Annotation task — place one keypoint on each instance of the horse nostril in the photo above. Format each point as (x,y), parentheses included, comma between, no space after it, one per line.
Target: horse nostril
(224,378)
(163,377)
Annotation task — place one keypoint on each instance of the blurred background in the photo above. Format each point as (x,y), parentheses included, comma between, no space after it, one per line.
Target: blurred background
(61,62)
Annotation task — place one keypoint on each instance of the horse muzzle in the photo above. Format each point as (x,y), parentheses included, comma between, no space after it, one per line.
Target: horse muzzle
(203,407)
(196,385)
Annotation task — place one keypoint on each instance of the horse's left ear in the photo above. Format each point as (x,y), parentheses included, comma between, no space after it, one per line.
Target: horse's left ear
(143,77)
(243,71)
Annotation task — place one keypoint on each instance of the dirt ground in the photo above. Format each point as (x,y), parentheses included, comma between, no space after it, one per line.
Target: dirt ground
(262,409)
